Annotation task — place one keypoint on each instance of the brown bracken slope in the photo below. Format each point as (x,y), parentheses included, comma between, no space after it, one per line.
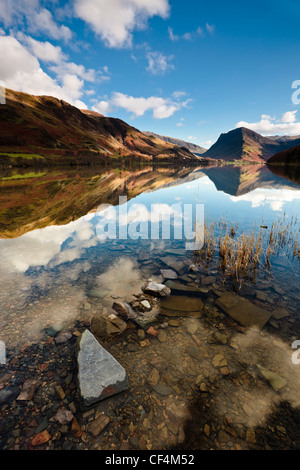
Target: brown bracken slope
(287,156)
(43,129)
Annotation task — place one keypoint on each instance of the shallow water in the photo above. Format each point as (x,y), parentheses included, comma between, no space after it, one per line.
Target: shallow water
(55,269)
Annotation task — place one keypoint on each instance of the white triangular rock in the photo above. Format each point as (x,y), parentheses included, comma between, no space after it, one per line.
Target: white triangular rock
(99,374)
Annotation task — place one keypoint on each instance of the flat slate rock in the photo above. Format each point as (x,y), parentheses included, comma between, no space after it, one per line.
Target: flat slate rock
(243,311)
(182,289)
(99,374)
(179,305)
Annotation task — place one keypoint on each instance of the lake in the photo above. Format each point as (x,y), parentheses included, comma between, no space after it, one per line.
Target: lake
(211,365)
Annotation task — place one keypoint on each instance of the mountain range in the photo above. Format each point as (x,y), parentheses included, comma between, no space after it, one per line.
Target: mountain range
(193,148)
(40,129)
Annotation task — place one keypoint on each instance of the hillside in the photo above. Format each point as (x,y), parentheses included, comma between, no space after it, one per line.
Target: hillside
(246,145)
(289,156)
(193,148)
(43,129)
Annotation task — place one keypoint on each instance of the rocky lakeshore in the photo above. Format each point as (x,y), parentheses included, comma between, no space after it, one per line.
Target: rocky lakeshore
(207,369)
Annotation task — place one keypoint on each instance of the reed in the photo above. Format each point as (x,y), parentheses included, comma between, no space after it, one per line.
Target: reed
(241,255)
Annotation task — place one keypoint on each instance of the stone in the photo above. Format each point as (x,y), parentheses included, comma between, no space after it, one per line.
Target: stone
(8,394)
(220,337)
(146,304)
(64,416)
(54,329)
(206,430)
(28,390)
(174,323)
(223,437)
(157,290)
(107,326)
(162,389)
(194,352)
(274,380)
(141,334)
(169,274)
(162,336)
(60,392)
(178,288)
(153,378)
(243,311)
(41,438)
(176,305)
(63,338)
(173,263)
(98,425)
(219,361)
(124,310)
(99,374)
(250,436)
(280,313)
(152,331)
(192,327)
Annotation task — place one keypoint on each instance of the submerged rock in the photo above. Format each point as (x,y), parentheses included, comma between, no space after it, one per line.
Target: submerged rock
(169,274)
(274,380)
(243,311)
(99,373)
(183,289)
(28,390)
(106,326)
(182,306)
(125,310)
(158,290)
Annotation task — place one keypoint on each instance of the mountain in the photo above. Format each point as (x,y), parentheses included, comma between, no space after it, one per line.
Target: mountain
(42,129)
(291,155)
(246,145)
(193,148)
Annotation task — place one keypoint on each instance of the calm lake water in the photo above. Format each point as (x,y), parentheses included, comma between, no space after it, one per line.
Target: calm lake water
(56,270)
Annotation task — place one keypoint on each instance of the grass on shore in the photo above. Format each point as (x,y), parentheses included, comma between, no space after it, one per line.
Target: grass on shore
(242,255)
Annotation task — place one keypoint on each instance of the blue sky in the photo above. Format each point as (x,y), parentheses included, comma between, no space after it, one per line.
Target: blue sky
(189,69)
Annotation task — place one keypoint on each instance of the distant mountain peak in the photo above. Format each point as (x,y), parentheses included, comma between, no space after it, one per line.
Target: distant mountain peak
(247,145)
(193,148)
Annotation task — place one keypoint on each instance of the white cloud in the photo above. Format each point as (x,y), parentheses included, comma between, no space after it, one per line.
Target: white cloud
(102,107)
(178,94)
(44,51)
(159,63)
(161,107)
(172,36)
(286,125)
(38,19)
(210,28)
(189,36)
(115,20)
(43,21)
(21,70)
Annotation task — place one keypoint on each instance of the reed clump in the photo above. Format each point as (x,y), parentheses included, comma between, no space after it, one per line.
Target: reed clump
(240,255)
